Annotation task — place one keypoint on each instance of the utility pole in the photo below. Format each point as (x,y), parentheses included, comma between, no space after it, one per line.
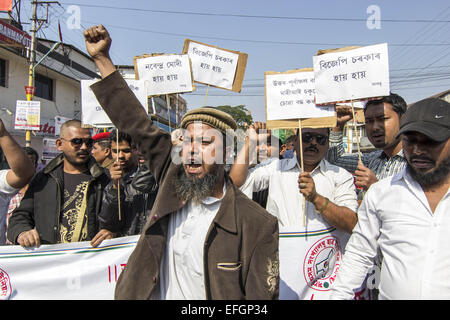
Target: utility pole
(35,26)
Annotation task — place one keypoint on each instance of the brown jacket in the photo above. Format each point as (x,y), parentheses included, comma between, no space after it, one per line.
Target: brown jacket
(241,246)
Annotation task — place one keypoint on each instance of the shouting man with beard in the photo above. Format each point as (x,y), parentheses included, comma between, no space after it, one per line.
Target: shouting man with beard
(204,239)
(63,202)
(406,217)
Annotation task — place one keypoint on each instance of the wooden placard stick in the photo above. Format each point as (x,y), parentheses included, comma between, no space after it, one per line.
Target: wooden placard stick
(206,95)
(168,112)
(301,165)
(356,131)
(118,182)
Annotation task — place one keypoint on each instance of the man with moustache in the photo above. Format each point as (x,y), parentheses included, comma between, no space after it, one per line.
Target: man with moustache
(63,201)
(382,120)
(313,238)
(406,216)
(205,239)
(101,150)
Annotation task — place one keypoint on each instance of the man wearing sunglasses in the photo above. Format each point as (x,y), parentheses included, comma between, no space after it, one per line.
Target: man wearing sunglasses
(311,246)
(63,201)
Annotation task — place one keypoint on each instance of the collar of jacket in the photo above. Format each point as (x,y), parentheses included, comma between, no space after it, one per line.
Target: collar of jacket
(225,217)
(95,170)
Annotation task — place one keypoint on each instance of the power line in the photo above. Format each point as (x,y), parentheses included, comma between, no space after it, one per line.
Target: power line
(256,16)
(265,41)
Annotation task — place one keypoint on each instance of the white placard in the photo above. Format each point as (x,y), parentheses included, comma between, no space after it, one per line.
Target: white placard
(59,121)
(213,66)
(91,111)
(165,73)
(28,115)
(291,96)
(352,75)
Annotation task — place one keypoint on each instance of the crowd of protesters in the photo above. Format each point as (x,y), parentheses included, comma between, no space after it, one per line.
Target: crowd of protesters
(209,230)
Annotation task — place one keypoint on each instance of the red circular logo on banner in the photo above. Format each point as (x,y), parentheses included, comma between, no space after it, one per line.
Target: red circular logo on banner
(321,263)
(5,286)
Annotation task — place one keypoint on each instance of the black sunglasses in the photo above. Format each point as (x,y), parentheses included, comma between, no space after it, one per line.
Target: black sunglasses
(307,137)
(79,141)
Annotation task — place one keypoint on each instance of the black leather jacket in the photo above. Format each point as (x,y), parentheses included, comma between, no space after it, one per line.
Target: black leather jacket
(137,194)
(40,207)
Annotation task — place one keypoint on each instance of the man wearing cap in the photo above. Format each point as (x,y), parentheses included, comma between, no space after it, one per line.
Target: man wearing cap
(101,150)
(406,217)
(205,238)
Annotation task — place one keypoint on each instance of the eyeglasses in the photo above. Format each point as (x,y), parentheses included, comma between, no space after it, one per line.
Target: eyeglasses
(76,142)
(308,137)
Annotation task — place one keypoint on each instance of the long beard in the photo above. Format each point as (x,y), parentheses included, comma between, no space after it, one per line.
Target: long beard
(436,176)
(193,188)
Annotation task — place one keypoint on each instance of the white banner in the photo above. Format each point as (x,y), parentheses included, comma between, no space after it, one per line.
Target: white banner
(290,95)
(351,75)
(165,74)
(64,271)
(91,111)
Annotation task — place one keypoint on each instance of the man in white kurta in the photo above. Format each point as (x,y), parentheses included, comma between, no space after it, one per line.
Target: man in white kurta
(311,248)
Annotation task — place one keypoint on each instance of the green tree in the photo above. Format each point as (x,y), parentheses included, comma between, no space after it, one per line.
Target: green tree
(240,114)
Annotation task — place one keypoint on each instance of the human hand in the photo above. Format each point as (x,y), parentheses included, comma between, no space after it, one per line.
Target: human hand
(364,177)
(307,186)
(103,234)
(29,238)
(97,41)
(343,115)
(116,173)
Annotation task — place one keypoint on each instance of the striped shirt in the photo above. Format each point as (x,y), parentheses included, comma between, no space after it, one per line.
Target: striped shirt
(377,161)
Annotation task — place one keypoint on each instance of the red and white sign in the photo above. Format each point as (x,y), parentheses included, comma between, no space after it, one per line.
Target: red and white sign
(12,35)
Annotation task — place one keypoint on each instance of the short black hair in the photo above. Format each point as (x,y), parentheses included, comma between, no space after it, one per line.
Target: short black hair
(123,136)
(398,103)
(32,152)
(104,143)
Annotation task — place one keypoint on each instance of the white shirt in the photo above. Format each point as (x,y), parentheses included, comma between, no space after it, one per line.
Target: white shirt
(182,274)
(285,200)
(395,218)
(6,193)
(310,255)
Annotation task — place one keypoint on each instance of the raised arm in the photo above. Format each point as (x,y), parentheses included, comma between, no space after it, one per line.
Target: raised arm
(247,155)
(22,169)
(122,106)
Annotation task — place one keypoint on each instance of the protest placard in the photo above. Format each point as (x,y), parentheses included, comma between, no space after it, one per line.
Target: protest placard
(58,123)
(92,114)
(165,73)
(351,73)
(217,67)
(290,96)
(28,115)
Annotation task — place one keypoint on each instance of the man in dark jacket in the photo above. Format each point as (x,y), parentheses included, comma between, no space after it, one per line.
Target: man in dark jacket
(205,239)
(138,187)
(63,201)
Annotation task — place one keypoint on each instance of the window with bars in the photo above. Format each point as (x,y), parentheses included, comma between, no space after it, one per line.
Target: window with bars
(44,87)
